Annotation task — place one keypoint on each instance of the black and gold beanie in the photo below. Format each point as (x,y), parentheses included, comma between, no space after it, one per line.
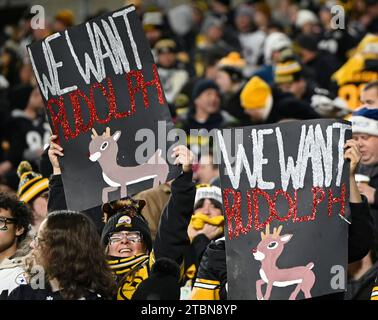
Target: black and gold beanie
(125,216)
(31,184)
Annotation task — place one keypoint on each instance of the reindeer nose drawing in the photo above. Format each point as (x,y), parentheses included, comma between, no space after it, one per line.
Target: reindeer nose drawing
(254,250)
(95,156)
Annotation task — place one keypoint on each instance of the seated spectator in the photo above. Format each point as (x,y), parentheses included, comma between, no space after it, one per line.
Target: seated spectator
(69,249)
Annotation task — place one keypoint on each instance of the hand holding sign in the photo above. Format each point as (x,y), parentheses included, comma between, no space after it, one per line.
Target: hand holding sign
(184,157)
(55,150)
(353,154)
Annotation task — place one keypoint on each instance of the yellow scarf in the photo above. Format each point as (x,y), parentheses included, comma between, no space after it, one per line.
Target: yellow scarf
(198,221)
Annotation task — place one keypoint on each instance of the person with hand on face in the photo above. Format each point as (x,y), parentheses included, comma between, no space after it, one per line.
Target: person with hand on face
(365,132)
(207,217)
(206,225)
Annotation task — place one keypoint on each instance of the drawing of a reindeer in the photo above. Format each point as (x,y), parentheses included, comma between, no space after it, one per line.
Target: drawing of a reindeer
(268,250)
(104,149)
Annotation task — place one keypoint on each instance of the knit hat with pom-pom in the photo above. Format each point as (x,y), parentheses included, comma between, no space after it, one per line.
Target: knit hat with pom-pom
(31,184)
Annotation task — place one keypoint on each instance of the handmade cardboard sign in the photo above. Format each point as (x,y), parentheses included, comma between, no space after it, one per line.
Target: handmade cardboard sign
(101,75)
(286,204)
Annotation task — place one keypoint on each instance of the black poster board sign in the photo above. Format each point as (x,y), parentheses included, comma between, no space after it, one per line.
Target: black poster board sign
(101,75)
(286,203)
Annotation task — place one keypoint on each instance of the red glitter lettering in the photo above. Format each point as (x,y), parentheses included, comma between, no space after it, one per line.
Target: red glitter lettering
(341,200)
(60,118)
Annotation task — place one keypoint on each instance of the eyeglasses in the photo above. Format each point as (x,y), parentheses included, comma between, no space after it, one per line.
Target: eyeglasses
(4,222)
(133,237)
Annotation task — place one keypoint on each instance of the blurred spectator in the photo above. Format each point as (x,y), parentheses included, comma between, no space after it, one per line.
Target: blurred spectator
(63,20)
(372,16)
(231,81)
(155,27)
(307,22)
(291,78)
(180,19)
(322,64)
(26,132)
(173,75)
(212,36)
(264,105)
(26,75)
(33,190)
(207,171)
(261,16)
(206,68)
(251,40)
(336,40)
(9,64)
(281,14)
(369,95)
(361,68)
(204,115)
(365,132)
(275,44)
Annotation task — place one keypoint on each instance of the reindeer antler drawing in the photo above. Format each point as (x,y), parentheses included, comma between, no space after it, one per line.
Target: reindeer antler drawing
(275,234)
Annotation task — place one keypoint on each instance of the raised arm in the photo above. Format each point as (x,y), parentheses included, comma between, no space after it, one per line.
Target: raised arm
(172,239)
(57,199)
(360,238)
